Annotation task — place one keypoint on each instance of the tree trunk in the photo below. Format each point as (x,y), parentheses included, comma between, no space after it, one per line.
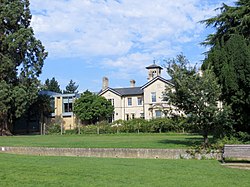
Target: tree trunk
(205,137)
(4,130)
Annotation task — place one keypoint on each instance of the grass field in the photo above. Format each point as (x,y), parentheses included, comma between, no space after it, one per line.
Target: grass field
(105,141)
(21,170)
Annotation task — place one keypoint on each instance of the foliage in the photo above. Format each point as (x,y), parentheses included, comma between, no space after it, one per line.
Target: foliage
(231,64)
(92,108)
(232,20)
(196,94)
(54,128)
(158,125)
(52,85)
(71,88)
(21,57)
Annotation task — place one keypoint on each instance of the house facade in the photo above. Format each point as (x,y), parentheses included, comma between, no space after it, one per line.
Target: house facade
(146,101)
(62,107)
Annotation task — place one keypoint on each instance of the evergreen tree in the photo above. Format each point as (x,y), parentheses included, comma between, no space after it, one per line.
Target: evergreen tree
(232,20)
(231,63)
(21,61)
(71,88)
(52,85)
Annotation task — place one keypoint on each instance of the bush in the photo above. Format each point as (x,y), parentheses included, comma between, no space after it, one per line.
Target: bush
(71,131)
(243,137)
(54,128)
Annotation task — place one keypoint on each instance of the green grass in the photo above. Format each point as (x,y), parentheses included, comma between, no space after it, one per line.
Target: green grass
(105,141)
(21,170)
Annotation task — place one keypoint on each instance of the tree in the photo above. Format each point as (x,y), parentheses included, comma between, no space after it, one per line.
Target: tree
(21,61)
(92,108)
(71,88)
(197,95)
(52,85)
(231,64)
(231,20)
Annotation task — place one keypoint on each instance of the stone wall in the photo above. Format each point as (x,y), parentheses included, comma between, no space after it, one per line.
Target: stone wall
(109,152)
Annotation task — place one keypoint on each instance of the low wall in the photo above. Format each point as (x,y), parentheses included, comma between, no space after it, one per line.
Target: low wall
(109,152)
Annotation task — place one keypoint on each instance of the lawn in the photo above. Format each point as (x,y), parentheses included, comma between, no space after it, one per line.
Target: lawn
(161,141)
(21,170)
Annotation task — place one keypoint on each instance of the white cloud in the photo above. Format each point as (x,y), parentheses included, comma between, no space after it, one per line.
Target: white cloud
(128,33)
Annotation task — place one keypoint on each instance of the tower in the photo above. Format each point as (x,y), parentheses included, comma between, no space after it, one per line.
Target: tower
(153,71)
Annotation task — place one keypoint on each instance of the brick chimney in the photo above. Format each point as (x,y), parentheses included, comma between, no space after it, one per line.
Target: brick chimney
(132,83)
(105,83)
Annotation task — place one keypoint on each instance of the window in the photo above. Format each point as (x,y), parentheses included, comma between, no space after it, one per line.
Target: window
(153,97)
(112,101)
(67,104)
(133,116)
(111,118)
(158,113)
(142,116)
(127,117)
(52,105)
(130,101)
(67,107)
(139,100)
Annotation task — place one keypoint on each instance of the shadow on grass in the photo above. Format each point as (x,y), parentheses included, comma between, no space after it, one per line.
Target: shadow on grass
(184,142)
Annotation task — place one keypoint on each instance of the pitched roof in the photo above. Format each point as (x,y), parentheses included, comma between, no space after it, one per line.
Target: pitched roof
(124,91)
(155,79)
(153,66)
(129,91)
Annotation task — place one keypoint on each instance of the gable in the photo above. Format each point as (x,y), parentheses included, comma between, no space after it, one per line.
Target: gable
(156,79)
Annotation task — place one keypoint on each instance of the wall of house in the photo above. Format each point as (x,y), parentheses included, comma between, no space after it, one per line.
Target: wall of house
(150,107)
(117,103)
(133,111)
(67,119)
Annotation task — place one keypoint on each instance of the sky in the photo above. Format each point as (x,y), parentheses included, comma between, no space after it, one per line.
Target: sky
(89,39)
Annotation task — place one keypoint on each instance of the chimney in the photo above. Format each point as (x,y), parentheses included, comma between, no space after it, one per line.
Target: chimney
(105,83)
(132,83)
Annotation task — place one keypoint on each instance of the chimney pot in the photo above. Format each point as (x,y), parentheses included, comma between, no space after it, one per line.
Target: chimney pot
(132,83)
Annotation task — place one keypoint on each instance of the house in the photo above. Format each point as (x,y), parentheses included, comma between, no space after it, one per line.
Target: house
(62,107)
(146,101)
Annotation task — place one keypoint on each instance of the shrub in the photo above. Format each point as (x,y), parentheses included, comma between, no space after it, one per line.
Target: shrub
(71,131)
(54,128)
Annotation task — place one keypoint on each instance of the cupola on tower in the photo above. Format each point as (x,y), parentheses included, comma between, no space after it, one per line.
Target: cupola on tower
(153,71)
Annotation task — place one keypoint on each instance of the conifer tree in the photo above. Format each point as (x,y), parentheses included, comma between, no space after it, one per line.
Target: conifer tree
(21,61)
(71,88)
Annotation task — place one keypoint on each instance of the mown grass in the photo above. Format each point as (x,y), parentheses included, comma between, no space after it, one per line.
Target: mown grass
(105,141)
(21,170)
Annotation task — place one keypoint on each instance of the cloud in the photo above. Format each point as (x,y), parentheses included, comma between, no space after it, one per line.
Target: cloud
(124,34)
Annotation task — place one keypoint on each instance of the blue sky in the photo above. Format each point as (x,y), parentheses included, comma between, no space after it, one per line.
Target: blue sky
(89,39)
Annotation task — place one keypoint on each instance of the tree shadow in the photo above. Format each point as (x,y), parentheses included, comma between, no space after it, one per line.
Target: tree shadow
(187,142)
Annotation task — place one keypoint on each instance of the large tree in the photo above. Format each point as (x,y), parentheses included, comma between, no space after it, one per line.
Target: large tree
(52,85)
(230,58)
(21,61)
(197,95)
(92,108)
(71,88)
(232,20)
(231,64)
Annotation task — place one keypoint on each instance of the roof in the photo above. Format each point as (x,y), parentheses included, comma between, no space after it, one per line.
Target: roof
(55,94)
(153,66)
(129,91)
(155,79)
(124,91)
(49,93)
